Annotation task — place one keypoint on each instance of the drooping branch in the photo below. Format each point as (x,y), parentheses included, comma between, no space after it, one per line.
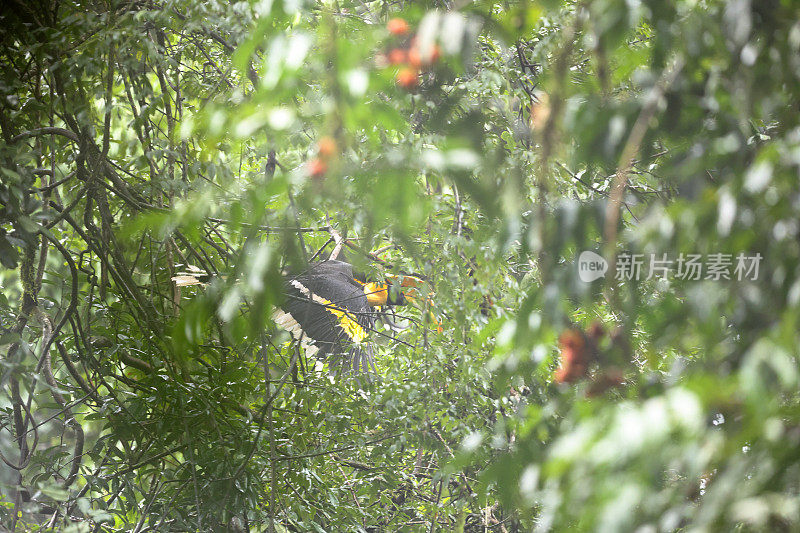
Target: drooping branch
(46,131)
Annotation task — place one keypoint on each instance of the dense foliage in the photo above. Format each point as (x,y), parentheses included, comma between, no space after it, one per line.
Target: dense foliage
(484,146)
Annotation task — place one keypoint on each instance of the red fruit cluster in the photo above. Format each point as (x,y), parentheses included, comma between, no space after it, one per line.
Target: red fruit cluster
(579,350)
(417,60)
(409,55)
(326,150)
(575,357)
(317,168)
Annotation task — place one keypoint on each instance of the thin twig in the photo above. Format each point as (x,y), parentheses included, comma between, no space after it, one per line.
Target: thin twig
(629,152)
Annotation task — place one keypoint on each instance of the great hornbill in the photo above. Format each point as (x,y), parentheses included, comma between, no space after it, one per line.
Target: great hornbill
(331,311)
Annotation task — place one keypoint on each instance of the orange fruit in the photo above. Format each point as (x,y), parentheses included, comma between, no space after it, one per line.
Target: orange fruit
(540,112)
(414,57)
(326,147)
(417,59)
(575,357)
(397,26)
(436,52)
(397,56)
(407,78)
(317,168)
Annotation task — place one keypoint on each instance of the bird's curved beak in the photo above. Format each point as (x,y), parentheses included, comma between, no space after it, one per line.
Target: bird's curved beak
(411,294)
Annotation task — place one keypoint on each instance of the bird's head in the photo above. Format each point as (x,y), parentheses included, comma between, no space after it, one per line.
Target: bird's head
(396,290)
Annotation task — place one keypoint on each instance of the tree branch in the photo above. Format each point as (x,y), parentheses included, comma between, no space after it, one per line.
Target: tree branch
(46,131)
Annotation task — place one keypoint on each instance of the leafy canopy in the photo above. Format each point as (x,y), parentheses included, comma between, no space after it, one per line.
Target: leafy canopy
(483,146)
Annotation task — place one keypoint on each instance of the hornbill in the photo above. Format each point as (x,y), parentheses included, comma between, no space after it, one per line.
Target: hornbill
(331,311)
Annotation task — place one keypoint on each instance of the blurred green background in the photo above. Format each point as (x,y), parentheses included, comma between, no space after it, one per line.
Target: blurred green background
(483,145)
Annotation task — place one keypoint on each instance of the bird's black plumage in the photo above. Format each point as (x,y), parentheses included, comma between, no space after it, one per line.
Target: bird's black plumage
(330,310)
(327,310)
